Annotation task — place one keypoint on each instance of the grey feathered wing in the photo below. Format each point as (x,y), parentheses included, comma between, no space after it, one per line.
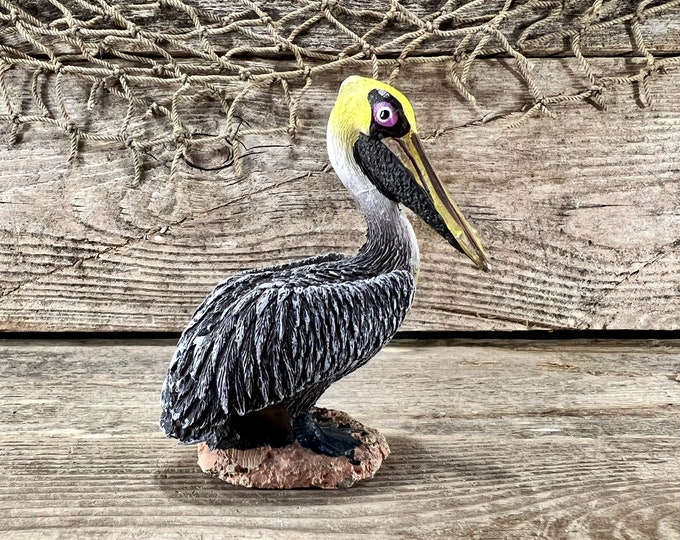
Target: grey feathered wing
(277,336)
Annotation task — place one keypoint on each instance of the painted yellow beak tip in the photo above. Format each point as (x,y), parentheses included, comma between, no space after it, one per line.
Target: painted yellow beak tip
(484,265)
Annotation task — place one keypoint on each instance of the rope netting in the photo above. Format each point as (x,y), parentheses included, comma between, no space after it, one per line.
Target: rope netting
(155,57)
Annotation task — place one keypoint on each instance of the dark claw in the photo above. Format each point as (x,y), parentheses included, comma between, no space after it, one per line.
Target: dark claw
(325,438)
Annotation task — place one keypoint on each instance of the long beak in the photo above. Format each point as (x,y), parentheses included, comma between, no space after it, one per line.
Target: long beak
(410,152)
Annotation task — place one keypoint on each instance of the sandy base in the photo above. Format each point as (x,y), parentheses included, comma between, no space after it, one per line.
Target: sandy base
(293,466)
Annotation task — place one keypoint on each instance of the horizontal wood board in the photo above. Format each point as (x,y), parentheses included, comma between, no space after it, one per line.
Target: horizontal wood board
(538,29)
(510,440)
(580,213)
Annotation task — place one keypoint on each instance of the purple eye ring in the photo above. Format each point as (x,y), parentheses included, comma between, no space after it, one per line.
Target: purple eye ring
(384,114)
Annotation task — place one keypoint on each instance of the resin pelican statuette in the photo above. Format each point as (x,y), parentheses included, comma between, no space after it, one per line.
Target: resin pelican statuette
(266,344)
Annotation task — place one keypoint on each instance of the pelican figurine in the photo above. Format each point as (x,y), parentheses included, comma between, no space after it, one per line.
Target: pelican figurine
(267,343)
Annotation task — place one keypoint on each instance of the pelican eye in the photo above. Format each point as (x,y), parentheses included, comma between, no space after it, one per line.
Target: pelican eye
(384,114)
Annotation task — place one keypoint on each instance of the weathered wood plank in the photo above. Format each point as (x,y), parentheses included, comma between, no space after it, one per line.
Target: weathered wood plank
(489,440)
(536,28)
(580,213)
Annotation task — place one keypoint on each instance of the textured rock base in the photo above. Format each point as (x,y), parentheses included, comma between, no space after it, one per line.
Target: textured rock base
(293,466)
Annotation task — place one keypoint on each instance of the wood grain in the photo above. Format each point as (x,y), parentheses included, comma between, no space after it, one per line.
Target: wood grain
(499,439)
(538,32)
(580,213)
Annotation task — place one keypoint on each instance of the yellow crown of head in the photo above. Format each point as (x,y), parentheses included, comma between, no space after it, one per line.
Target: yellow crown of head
(352,113)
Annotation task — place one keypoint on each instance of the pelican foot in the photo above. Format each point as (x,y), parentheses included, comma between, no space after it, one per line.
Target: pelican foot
(325,437)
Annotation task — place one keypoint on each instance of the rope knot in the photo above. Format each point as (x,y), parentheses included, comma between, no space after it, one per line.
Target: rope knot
(152,109)
(245,74)
(327,5)
(158,70)
(307,72)
(181,137)
(390,15)
(57,67)
(14,16)
(230,136)
(542,102)
(639,16)
(71,127)
(429,27)
(266,19)
(368,50)
(597,89)
(15,118)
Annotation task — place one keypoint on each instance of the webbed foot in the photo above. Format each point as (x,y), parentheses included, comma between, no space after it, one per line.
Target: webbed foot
(325,437)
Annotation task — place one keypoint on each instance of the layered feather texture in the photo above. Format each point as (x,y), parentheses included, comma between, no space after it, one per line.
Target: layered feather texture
(280,335)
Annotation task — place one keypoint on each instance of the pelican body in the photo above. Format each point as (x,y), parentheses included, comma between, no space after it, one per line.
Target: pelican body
(266,344)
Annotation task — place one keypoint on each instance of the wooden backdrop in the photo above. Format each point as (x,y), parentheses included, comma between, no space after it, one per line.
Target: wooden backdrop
(580,213)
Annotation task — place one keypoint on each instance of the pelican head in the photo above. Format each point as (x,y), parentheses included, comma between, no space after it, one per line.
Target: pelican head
(373,144)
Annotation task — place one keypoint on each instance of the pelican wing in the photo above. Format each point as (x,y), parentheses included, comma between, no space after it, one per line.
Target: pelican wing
(280,335)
